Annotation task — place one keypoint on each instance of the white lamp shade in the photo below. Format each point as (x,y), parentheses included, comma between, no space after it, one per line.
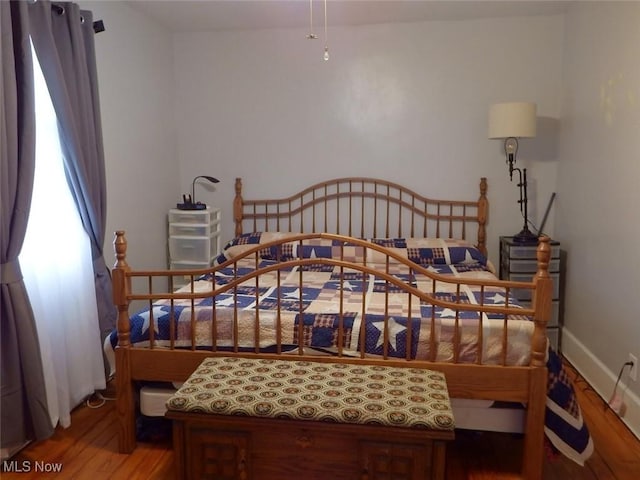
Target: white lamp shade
(514,119)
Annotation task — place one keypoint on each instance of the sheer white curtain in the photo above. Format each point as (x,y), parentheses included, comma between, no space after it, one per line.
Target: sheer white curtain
(58,273)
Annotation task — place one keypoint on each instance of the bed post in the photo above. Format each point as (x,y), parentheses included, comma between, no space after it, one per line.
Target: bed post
(125,404)
(534,438)
(483,209)
(238,207)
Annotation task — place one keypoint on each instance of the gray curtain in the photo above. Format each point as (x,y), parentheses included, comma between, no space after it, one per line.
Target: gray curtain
(23,399)
(63,39)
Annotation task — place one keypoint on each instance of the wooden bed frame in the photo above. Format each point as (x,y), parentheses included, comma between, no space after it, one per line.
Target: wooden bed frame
(362,208)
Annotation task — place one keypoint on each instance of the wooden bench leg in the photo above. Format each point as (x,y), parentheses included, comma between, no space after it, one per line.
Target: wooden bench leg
(178,449)
(439,460)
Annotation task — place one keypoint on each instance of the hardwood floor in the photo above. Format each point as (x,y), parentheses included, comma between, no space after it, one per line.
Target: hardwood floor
(616,454)
(88,450)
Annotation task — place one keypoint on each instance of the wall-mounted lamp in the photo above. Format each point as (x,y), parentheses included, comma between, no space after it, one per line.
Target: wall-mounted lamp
(510,121)
(189,201)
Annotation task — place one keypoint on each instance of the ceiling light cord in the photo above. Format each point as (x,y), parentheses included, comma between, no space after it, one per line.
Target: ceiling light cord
(311,35)
(326,48)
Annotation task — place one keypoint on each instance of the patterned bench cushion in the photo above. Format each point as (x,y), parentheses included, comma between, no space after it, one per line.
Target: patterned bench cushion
(329,392)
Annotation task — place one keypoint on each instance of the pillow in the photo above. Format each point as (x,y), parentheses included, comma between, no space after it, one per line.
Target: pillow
(431,251)
(423,251)
(311,248)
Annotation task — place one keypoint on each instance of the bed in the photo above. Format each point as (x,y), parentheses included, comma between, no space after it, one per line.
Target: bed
(349,270)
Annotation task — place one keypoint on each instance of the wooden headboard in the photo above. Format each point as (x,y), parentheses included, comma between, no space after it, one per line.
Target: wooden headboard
(364,208)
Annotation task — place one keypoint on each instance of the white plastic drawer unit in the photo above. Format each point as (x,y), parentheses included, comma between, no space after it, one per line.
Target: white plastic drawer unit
(194,237)
(189,265)
(191,249)
(189,230)
(204,217)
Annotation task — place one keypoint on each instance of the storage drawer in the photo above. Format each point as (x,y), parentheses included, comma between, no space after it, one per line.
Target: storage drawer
(190,249)
(554,321)
(253,448)
(189,230)
(525,294)
(189,265)
(182,280)
(553,334)
(529,251)
(190,216)
(531,266)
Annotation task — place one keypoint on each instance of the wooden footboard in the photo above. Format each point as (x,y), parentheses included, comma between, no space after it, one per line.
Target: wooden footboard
(173,360)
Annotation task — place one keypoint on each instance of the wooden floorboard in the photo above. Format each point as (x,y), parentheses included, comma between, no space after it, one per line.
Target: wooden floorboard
(88,450)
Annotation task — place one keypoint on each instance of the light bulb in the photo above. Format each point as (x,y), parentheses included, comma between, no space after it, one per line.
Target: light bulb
(326,54)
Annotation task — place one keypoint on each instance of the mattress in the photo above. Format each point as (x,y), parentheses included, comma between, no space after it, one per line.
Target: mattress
(484,415)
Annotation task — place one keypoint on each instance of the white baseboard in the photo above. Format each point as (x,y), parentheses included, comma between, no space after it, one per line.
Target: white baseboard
(8,452)
(601,378)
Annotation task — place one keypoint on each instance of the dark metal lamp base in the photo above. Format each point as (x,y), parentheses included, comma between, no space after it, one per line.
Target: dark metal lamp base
(525,236)
(191,206)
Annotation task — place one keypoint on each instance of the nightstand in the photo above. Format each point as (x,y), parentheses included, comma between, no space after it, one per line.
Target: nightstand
(518,263)
(194,238)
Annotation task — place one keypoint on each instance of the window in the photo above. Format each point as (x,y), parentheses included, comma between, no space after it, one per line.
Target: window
(58,273)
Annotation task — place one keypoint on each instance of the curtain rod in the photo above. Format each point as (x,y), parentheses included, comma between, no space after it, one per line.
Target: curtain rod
(98,25)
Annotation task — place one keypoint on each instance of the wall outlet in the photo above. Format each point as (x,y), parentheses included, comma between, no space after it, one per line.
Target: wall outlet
(633,372)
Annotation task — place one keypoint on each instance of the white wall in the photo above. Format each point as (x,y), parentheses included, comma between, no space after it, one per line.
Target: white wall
(135,74)
(405,102)
(599,173)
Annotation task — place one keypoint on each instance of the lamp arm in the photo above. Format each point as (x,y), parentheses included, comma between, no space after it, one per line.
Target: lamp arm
(189,201)
(510,161)
(510,149)
(193,185)
(524,199)
(522,185)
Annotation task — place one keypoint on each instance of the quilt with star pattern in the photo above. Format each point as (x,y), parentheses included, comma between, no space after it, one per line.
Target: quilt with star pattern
(320,296)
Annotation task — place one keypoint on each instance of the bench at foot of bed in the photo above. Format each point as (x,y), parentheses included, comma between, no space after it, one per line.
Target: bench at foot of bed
(239,418)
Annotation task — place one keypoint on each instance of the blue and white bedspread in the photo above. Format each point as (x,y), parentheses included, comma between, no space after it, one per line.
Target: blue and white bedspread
(563,424)
(321,306)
